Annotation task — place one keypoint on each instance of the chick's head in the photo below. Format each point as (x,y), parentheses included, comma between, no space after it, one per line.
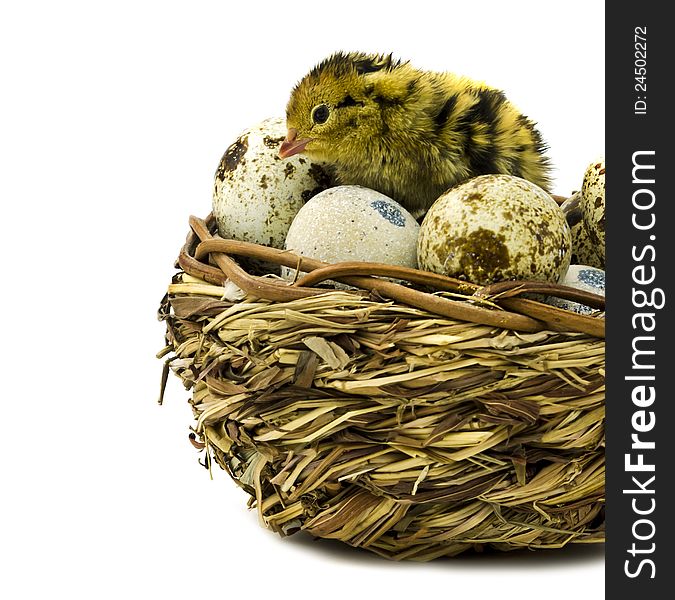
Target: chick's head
(333,106)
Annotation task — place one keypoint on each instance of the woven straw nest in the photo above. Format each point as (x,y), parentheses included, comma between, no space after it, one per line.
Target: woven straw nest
(416,419)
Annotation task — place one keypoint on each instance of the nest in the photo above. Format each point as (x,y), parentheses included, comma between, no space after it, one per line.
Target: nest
(413,415)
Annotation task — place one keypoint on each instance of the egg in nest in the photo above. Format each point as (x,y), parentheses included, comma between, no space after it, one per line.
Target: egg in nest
(584,250)
(495,228)
(581,277)
(354,223)
(256,194)
(592,205)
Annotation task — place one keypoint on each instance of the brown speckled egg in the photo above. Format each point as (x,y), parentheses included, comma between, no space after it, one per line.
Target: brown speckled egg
(592,205)
(584,251)
(495,228)
(354,223)
(256,194)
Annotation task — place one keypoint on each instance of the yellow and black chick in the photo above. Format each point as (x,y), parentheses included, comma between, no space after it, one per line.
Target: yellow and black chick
(407,133)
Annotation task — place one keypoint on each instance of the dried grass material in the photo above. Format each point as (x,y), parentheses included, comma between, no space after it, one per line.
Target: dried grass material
(391,428)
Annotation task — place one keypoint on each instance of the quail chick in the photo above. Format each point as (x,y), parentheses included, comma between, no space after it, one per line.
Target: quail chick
(407,133)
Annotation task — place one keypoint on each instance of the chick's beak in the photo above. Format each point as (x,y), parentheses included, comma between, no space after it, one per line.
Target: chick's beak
(292,145)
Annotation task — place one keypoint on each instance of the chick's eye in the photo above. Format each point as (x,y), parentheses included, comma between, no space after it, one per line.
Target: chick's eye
(320,114)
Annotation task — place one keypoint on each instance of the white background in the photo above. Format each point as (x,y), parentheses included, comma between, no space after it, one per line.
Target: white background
(113,119)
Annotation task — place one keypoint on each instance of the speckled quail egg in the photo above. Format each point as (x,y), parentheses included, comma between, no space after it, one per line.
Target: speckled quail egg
(582,277)
(584,251)
(592,205)
(256,194)
(495,228)
(353,223)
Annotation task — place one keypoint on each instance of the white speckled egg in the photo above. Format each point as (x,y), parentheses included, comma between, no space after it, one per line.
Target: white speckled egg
(495,228)
(582,277)
(353,223)
(592,205)
(584,251)
(256,194)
